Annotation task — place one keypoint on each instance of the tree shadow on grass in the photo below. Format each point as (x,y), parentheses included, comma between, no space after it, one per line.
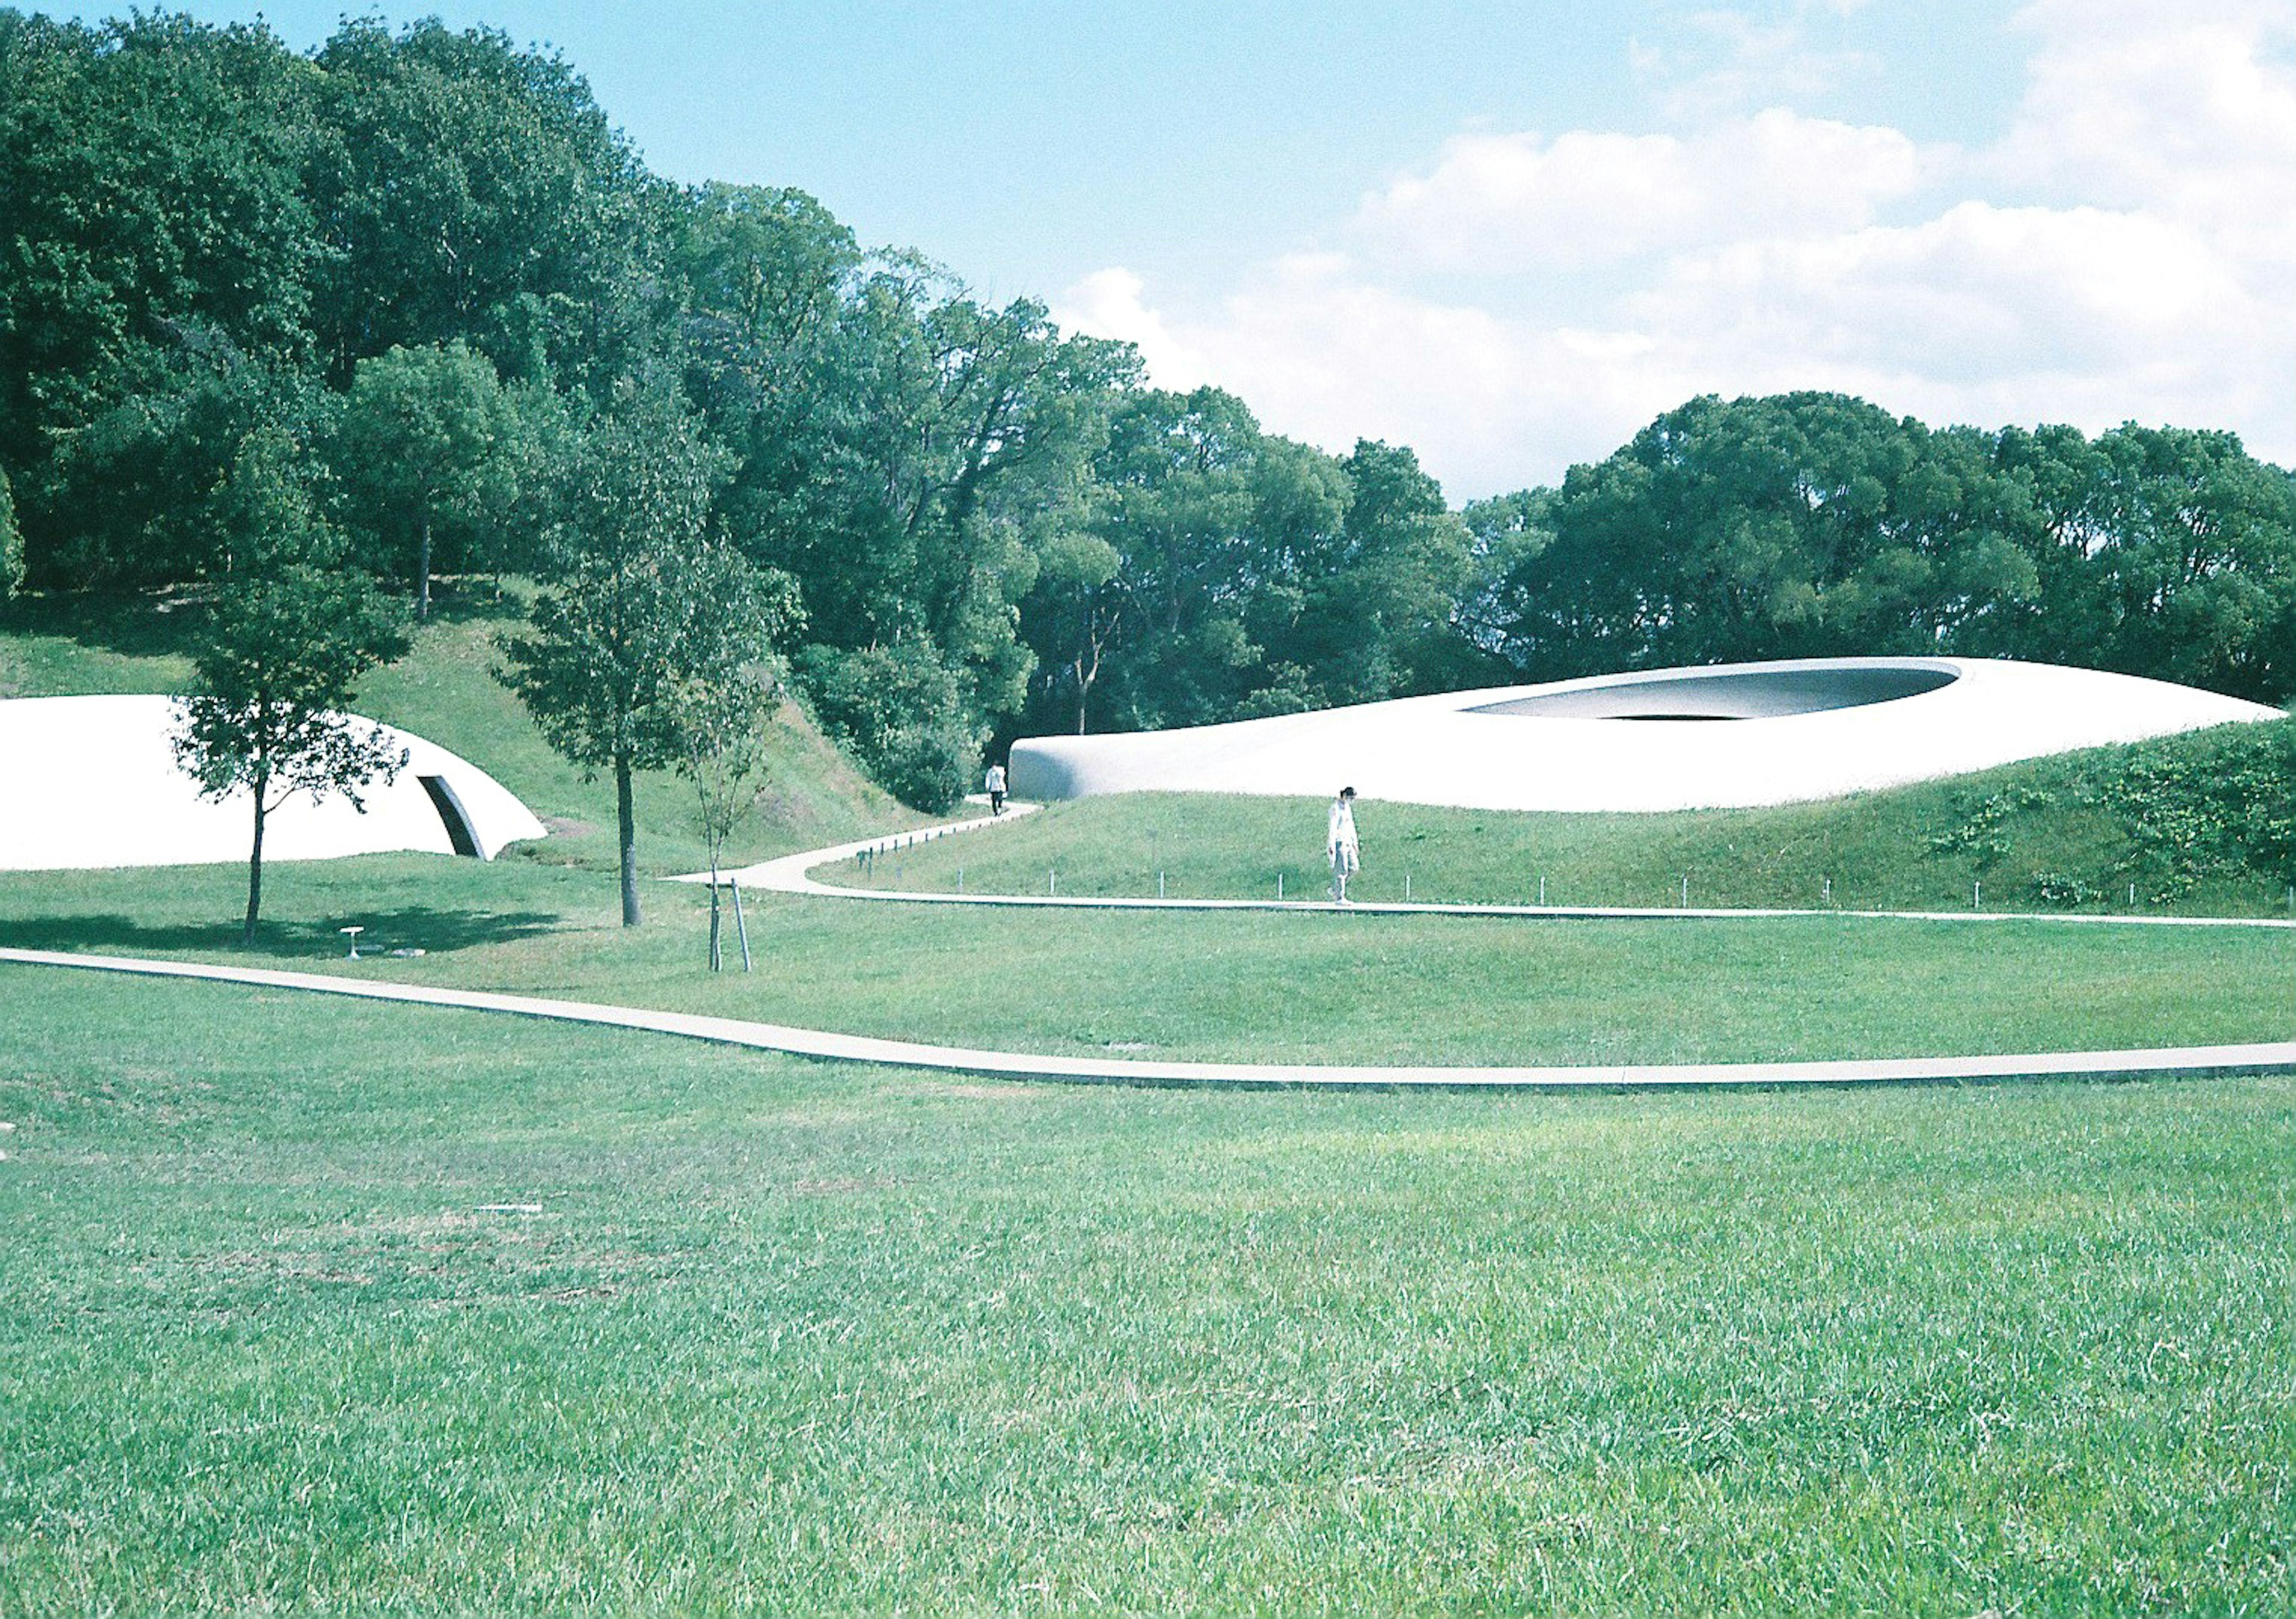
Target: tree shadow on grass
(138,622)
(159,622)
(433,931)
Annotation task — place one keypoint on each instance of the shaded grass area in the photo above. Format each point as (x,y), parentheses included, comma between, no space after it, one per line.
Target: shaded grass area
(1316,986)
(807,1340)
(2197,825)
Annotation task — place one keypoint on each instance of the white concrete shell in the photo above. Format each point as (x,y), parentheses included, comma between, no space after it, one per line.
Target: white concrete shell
(91,781)
(1732,736)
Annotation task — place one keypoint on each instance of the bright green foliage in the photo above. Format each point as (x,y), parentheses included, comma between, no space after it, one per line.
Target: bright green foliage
(1812,525)
(139,478)
(643,611)
(440,235)
(1807,524)
(428,454)
(473,190)
(1214,527)
(1077,616)
(154,217)
(909,456)
(288,634)
(731,718)
(899,710)
(1225,571)
(1377,620)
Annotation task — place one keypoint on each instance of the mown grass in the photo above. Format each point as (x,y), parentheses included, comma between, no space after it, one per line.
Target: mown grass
(785,1337)
(2149,829)
(798,1338)
(1349,988)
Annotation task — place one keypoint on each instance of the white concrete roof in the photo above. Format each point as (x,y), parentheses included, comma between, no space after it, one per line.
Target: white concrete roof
(91,781)
(1725,737)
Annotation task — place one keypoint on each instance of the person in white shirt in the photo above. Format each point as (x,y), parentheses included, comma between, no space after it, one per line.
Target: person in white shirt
(996,790)
(1345,850)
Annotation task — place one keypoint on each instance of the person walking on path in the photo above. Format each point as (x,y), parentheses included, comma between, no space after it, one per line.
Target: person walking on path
(1345,850)
(996,790)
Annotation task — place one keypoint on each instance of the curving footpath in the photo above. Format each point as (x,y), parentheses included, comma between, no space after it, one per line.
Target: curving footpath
(2192,1062)
(793,874)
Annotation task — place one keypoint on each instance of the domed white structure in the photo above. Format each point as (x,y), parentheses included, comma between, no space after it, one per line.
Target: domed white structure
(1731,736)
(92,781)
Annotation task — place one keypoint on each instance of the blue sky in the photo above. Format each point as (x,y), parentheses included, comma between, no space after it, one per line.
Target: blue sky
(1508,235)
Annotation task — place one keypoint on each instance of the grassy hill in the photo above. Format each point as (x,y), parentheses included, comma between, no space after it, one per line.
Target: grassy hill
(2203,823)
(445,689)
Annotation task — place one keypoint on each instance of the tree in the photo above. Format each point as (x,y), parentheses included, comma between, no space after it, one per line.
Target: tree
(1079,612)
(469,189)
(12,544)
(425,444)
(642,607)
(899,710)
(1379,612)
(151,183)
(728,723)
(287,637)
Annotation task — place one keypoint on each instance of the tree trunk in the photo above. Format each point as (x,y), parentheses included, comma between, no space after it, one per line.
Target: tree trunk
(422,574)
(254,874)
(716,954)
(630,836)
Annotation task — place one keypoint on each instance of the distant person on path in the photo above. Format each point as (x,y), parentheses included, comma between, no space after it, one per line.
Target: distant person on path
(996,790)
(1346,852)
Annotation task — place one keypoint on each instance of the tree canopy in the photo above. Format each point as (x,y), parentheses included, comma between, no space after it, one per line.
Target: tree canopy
(425,255)
(286,638)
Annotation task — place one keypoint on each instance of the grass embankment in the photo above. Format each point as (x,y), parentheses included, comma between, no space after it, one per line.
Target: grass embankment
(797,1339)
(445,689)
(2201,824)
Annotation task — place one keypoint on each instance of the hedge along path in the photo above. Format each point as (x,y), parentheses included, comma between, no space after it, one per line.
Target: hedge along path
(2181,1062)
(793,874)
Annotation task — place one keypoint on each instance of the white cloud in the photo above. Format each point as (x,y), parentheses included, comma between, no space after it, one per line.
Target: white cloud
(2125,249)
(1110,303)
(1721,60)
(1496,203)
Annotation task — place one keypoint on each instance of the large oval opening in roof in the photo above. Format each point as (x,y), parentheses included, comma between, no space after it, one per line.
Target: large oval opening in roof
(1732,694)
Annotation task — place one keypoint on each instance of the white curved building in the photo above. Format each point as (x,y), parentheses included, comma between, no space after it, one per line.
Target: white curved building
(92,781)
(1727,737)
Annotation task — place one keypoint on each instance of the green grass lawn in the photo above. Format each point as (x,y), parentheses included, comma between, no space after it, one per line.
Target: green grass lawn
(798,1338)
(1302,987)
(801,1338)
(2077,832)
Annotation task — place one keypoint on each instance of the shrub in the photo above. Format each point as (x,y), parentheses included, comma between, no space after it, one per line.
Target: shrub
(901,713)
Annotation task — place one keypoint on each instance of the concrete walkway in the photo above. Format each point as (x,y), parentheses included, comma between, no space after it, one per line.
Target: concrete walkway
(2187,1061)
(793,874)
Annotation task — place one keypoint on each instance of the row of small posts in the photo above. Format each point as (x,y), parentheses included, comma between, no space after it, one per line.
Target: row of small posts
(866,859)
